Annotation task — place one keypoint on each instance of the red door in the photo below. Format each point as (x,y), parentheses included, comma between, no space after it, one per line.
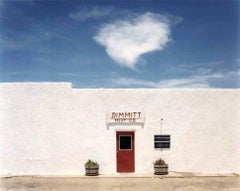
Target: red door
(125,152)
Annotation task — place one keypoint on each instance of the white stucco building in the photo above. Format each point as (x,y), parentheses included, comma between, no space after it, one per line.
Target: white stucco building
(52,129)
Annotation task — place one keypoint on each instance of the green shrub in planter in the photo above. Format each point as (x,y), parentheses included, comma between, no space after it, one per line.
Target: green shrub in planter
(160,167)
(91,168)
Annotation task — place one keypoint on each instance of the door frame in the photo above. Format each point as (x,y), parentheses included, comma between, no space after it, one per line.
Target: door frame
(124,133)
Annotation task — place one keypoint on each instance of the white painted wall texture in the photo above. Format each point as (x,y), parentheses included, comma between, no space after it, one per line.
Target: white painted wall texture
(52,129)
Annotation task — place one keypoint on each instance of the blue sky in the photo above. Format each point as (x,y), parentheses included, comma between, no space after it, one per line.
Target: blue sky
(121,44)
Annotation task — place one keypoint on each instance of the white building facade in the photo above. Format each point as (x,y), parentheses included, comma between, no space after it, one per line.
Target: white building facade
(53,129)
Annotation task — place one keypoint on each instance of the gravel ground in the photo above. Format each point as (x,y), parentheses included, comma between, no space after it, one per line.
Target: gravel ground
(115,184)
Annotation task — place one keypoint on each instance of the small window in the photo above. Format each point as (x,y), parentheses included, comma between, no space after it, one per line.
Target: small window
(161,141)
(125,142)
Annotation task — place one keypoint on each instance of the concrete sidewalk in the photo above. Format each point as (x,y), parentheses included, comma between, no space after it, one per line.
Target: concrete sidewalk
(136,175)
(170,175)
(123,183)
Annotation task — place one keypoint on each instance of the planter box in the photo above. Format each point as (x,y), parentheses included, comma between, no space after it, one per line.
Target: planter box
(92,170)
(161,169)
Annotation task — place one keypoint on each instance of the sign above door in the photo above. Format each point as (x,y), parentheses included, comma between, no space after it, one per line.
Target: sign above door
(133,117)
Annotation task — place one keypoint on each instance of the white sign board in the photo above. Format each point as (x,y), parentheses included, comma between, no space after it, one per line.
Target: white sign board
(125,117)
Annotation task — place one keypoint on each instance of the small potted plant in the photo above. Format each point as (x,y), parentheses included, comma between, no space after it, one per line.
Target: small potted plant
(91,168)
(160,167)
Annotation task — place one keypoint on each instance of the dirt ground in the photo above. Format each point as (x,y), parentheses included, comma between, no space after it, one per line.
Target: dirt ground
(115,184)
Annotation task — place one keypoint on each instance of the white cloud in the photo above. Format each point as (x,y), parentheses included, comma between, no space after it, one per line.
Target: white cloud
(95,12)
(172,83)
(127,40)
(237,60)
(199,81)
